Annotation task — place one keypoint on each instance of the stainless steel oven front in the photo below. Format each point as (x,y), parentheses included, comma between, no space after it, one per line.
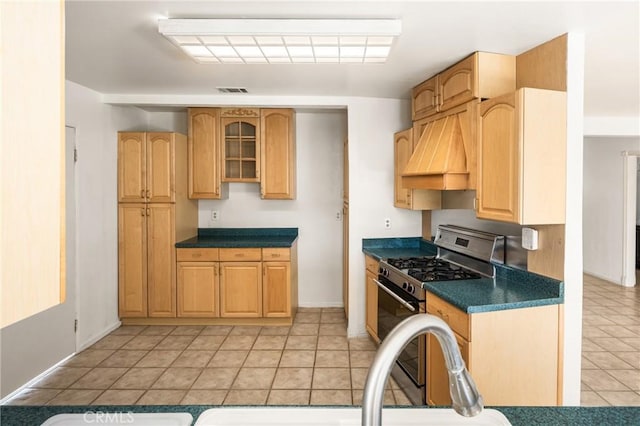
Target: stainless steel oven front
(394,306)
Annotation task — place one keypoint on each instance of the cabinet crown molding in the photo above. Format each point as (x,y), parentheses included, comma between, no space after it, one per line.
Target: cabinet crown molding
(240,112)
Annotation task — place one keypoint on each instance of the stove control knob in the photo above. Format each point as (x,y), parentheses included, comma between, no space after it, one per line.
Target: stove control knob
(405,285)
(384,272)
(410,288)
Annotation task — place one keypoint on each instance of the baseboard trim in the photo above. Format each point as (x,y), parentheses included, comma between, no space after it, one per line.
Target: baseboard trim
(33,381)
(93,339)
(602,277)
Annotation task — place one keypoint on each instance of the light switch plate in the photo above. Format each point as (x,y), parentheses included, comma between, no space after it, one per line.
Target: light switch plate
(529,239)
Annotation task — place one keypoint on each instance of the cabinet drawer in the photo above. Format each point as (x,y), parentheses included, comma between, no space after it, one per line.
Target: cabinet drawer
(240,254)
(457,320)
(197,254)
(372,264)
(276,254)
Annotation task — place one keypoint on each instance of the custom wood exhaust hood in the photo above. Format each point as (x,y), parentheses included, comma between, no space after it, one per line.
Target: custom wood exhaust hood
(439,160)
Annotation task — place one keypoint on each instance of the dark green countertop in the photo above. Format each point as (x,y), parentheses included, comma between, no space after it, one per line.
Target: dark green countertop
(510,289)
(518,416)
(241,237)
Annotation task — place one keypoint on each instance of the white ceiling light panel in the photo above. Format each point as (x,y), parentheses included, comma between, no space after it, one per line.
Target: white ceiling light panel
(277,41)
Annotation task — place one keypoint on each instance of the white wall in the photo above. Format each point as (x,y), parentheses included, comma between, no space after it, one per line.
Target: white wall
(168,122)
(372,123)
(96,126)
(603,205)
(319,145)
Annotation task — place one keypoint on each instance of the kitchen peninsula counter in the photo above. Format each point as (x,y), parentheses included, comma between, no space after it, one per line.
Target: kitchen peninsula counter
(510,289)
(518,416)
(241,238)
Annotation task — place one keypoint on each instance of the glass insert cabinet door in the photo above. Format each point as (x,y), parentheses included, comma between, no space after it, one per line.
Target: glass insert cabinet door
(241,149)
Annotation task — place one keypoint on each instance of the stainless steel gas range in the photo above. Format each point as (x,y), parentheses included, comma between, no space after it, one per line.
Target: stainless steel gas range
(462,254)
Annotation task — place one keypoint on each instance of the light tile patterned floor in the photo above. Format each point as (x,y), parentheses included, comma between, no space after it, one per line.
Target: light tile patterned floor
(311,362)
(610,344)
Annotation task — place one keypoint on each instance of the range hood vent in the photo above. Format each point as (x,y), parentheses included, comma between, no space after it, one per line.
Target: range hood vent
(439,160)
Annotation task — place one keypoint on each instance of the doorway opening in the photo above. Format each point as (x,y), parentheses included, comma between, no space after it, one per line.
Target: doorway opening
(630,250)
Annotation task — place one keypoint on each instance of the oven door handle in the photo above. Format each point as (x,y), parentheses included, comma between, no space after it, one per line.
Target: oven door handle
(395,296)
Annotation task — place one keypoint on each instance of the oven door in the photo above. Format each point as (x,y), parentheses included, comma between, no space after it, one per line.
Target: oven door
(394,306)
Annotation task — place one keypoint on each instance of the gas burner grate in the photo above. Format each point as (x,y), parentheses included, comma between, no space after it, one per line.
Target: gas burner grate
(412,262)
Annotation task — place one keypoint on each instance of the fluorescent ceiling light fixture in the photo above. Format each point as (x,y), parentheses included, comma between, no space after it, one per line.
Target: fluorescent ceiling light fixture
(278,41)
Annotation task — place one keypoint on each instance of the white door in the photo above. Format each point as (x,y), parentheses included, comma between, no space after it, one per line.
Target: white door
(70,230)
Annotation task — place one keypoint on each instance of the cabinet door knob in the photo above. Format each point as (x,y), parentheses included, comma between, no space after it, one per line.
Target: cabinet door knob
(148,211)
(148,194)
(141,212)
(142,193)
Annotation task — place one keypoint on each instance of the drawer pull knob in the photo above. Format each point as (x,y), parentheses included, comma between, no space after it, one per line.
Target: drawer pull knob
(239,254)
(197,255)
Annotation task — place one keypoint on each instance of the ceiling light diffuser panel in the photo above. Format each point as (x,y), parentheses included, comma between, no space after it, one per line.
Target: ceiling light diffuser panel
(278,41)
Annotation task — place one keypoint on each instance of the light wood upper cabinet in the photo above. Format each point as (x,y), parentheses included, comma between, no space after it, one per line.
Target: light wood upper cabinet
(204,154)
(242,145)
(146,167)
(132,167)
(240,133)
(424,98)
(277,154)
(458,84)
(481,75)
(522,157)
(160,168)
(276,289)
(198,289)
(241,289)
(412,199)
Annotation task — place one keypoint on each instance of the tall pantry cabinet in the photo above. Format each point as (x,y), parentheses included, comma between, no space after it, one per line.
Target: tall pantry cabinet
(153,212)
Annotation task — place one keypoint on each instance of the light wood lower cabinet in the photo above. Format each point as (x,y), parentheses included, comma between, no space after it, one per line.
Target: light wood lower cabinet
(146,260)
(276,289)
(371,290)
(238,283)
(241,289)
(198,289)
(512,355)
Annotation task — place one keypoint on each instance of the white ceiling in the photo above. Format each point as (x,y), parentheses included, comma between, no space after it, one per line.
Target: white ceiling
(114,46)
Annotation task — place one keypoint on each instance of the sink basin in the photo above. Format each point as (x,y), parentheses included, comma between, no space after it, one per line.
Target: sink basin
(120,418)
(316,416)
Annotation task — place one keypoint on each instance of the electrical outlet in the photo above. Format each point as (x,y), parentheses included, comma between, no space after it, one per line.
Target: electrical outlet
(338,215)
(215,215)
(387,223)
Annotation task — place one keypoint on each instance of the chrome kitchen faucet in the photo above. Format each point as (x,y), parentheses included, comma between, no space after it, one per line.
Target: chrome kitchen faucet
(464,394)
